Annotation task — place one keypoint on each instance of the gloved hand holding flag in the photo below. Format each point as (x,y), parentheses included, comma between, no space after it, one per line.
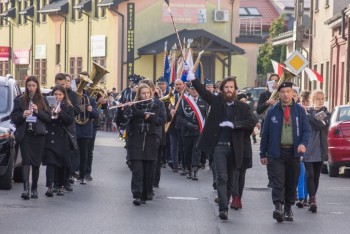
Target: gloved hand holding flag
(187,74)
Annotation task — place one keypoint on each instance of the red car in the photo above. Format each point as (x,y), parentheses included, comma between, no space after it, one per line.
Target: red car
(339,140)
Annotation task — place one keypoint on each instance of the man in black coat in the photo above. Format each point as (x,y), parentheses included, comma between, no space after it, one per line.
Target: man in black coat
(223,134)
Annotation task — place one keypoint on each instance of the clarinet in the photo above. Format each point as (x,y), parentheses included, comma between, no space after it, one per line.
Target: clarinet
(30,124)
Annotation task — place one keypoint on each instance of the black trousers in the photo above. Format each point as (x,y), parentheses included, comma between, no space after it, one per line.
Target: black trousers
(90,155)
(157,166)
(238,182)
(51,170)
(313,172)
(192,153)
(141,180)
(284,174)
(83,153)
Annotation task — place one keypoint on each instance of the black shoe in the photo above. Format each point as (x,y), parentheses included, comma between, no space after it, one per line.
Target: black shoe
(215,187)
(83,181)
(71,180)
(183,172)
(300,203)
(216,200)
(195,176)
(88,178)
(68,187)
(76,175)
(269,185)
(49,192)
(60,192)
(189,175)
(34,193)
(278,213)
(223,215)
(55,189)
(137,202)
(288,215)
(25,195)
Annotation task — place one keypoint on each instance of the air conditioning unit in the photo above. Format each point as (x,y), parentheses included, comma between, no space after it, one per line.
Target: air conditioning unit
(220,15)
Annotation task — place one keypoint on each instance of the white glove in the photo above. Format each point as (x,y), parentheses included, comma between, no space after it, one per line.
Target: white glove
(190,76)
(226,124)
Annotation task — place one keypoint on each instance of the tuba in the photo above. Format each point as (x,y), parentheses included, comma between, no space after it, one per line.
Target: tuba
(96,75)
(169,98)
(286,76)
(83,116)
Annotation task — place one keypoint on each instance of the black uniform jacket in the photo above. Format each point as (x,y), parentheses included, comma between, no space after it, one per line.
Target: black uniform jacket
(243,120)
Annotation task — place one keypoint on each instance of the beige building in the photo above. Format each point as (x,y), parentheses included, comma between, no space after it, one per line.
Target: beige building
(44,37)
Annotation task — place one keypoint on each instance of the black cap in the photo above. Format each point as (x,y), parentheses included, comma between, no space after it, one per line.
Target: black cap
(285,85)
(133,77)
(161,79)
(172,84)
(241,95)
(208,82)
(188,84)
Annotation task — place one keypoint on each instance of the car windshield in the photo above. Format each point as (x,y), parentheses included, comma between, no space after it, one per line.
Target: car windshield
(344,114)
(4,99)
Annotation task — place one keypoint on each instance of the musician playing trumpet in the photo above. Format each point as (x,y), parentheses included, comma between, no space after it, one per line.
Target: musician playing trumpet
(57,148)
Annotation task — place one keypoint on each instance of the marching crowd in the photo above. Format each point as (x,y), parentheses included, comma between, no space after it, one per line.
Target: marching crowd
(184,124)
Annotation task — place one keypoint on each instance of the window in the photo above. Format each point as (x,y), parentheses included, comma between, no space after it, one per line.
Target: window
(4,68)
(314,29)
(316,5)
(74,3)
(38,14)
(80,14)
(327,3)
(44,15)
(75,66)
(19,8)
(25,5)
(249,11)
(40,70)
(1,11)
(314,83)
(102,62)
(103,11)
(58,54)
(96,9)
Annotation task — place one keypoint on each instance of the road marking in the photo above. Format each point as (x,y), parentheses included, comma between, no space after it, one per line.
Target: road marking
(183,198)
(337,213)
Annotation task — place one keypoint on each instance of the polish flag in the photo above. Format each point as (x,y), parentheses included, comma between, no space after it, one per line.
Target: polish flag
(277,67)
(313,75)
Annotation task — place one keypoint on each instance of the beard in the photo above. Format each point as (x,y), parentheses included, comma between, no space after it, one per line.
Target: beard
(229,98)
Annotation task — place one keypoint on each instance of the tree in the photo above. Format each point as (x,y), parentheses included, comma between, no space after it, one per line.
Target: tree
(268,52)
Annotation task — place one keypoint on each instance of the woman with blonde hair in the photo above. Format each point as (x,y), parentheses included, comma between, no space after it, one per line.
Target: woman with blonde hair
(317,149)
(140,120)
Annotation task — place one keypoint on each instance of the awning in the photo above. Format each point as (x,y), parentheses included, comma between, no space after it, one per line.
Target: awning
(110,3)
(29,11)
(57,6)
(202,40)
(84,5)
(11,13)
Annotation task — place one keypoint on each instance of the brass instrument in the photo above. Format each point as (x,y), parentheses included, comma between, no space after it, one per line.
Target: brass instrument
(94,90)
(83,116)
(169,98)
(286,76)
(54,114)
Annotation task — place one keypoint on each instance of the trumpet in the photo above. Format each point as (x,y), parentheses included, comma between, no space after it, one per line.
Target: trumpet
(54,114)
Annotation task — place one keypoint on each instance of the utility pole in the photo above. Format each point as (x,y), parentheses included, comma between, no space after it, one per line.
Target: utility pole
(298,25)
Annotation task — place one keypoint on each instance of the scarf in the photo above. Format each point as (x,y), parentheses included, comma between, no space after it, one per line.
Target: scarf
(143,125)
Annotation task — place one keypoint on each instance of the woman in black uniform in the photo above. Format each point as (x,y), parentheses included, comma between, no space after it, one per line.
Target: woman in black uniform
(57,146)
(29,115)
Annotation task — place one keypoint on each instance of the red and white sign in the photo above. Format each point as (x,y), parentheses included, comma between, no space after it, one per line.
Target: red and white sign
(21,56)
(184,11)
(4,52)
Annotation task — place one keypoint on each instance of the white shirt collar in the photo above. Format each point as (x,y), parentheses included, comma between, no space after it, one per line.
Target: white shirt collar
(230,103)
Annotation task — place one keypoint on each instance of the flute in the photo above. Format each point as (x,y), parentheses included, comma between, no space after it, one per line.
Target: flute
(125,104)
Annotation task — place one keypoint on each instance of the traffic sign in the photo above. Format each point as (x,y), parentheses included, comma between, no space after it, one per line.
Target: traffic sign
(296,62)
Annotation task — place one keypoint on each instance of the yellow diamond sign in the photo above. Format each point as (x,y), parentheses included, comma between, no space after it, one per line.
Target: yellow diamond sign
(296,62)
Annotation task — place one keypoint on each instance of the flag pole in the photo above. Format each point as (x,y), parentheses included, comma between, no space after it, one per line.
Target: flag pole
(177,34)
(165,54)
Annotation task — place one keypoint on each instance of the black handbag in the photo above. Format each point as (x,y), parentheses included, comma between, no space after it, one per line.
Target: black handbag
(72,140)
(40,127)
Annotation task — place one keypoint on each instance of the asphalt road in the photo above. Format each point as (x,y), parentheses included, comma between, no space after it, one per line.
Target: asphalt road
(179,206)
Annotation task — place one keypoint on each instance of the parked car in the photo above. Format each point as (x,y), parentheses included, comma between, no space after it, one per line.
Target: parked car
(339,140)
(255,91)
(9,153)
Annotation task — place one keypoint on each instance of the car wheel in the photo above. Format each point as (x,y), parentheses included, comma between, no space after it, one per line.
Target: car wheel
(324,168)
(333,171)
(6,179)
(17,175)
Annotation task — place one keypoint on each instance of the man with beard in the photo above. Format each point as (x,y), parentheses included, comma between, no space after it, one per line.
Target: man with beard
(223,134)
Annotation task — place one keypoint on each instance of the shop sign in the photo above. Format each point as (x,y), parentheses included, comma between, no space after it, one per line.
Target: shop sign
(21,56)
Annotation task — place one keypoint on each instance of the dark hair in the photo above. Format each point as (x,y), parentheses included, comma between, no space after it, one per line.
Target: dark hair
(38,98)
(227,79)
(70,77)
(60,76)
(148,82)
(305,94)
(273,74)
(63,90)
(114,88)
(248,94)
(241,95)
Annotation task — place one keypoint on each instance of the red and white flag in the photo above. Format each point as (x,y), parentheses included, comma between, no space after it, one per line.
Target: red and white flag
(277,67)
(196,111)
(313,75)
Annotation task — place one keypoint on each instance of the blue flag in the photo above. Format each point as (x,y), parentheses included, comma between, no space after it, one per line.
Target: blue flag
(198,72)
(167,70)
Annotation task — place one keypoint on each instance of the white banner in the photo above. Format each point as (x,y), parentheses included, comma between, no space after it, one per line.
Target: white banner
(40,51)
(98,46)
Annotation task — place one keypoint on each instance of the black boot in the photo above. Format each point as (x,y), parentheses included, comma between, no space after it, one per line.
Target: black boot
(278,212)
(34,193)
(254,139)
(194,177)
(49,192)
(25,171)
(189,175)
(288,214)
